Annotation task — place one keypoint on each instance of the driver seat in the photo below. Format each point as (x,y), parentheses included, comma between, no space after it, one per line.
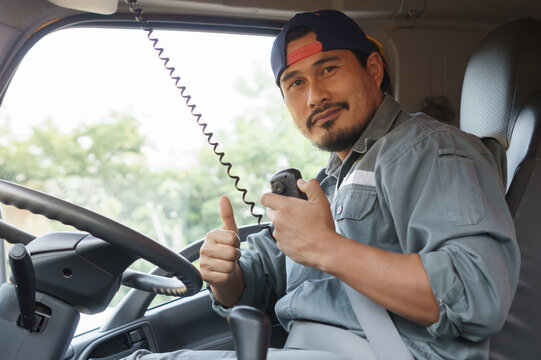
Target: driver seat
(501,103)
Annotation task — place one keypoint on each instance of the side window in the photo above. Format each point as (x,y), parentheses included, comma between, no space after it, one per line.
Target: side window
(91,116)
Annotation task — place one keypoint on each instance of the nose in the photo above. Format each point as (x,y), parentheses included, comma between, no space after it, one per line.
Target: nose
(317,94)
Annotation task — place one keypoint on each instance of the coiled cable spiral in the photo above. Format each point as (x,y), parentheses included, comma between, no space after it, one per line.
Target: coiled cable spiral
(139,17)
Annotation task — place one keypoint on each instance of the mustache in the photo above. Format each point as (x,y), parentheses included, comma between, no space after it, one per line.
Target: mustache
(325,107)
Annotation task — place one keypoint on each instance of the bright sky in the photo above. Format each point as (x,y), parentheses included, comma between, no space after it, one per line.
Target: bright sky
(79,75)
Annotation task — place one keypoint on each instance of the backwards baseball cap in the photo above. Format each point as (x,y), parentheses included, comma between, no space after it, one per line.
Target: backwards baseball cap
(334,30)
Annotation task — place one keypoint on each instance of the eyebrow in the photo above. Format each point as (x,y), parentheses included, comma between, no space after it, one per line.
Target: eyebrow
(319,62)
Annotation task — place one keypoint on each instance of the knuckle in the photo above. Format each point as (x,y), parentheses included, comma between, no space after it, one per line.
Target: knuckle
(203,266)
(204,251)
(205,275)
(211,235)
(232,239)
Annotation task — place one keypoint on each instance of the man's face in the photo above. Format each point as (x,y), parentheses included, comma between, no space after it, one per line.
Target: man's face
(330,96)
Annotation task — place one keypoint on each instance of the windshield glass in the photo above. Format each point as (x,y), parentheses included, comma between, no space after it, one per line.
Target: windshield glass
(91,116)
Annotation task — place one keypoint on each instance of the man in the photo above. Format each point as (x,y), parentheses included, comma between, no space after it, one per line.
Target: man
(409,212)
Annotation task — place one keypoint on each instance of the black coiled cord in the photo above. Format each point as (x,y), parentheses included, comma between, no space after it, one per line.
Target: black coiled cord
(138,13)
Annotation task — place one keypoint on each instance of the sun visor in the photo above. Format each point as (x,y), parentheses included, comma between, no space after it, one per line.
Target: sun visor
(105,7)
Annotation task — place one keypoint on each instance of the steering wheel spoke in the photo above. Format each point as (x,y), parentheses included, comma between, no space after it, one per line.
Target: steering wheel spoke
(153,283)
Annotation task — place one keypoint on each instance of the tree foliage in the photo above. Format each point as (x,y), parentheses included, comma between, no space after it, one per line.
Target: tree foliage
(104,167)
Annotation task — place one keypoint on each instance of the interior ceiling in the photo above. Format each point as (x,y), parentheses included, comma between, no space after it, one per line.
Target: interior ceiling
(380,16)
(477,11)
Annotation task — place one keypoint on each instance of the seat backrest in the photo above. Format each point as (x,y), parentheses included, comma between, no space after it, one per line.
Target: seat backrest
(501,100)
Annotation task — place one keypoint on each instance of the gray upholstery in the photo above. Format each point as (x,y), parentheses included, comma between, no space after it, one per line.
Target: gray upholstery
(501,77)
(501,99)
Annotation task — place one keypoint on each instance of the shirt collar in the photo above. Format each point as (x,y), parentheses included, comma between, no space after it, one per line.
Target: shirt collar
(381,123)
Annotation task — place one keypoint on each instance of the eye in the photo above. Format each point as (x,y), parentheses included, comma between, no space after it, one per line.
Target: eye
(328,69)
(295,83)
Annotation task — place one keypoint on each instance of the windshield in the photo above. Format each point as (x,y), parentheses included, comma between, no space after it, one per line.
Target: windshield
(92,117)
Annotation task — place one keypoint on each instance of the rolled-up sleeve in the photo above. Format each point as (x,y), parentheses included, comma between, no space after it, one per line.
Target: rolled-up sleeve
(474,292)
(264,275)
(455,216)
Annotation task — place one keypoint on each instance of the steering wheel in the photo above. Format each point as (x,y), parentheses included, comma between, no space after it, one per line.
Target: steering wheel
(113,233)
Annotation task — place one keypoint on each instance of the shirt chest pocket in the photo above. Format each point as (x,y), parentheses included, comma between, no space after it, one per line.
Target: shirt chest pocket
(353,210)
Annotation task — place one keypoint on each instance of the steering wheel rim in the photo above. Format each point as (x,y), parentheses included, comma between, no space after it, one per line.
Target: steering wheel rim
(104,228)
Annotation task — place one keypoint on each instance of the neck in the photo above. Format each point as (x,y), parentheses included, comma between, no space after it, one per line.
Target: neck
(344,154)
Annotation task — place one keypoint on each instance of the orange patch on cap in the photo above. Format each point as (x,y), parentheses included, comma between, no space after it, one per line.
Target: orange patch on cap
(303,52)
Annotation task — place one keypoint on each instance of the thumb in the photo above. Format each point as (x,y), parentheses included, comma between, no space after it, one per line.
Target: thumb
(311,188)
(227,215)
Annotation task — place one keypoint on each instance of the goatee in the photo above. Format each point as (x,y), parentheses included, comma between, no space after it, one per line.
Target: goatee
(341,139)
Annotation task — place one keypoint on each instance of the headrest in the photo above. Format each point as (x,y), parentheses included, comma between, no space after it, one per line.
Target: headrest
(503,74)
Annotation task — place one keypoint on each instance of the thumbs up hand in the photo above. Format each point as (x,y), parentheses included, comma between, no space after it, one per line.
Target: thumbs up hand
(221,250)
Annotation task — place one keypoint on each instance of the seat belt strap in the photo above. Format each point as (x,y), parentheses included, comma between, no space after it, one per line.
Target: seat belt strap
(310,335)
(378,327)
(374,319)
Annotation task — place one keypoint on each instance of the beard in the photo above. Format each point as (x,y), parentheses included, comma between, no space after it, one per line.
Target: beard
(339,139)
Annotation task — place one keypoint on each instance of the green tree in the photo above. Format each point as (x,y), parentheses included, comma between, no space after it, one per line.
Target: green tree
(104,166)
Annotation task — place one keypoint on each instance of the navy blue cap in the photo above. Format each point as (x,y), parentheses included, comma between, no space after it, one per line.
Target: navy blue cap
(334,30)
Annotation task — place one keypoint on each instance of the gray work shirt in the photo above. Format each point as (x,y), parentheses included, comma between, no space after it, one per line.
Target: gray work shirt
(417,186)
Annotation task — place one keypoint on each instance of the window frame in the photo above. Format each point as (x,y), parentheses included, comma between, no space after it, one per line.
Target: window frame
(124,21)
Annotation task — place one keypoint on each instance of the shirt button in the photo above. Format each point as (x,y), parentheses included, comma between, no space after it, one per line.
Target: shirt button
(339,210)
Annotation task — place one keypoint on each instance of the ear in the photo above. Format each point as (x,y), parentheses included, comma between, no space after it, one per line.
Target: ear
(374,66)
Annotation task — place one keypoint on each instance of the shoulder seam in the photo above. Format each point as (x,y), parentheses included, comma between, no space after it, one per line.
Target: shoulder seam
(431,132)
(398,156)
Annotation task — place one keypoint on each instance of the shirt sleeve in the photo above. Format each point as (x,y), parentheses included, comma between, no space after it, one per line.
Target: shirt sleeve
(263,268)
(454,214)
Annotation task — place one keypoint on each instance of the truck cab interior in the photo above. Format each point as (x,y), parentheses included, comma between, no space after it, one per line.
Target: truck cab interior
(474,65)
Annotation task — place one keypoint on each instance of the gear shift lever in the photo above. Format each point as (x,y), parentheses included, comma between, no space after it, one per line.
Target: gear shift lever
(251,332)
(23,275)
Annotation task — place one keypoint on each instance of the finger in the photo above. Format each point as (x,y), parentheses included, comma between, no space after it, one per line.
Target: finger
(273,201)
(271,214)
(311,188)
(222,252)
(218,266)
(227,215)
(215,278)
(221,236)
